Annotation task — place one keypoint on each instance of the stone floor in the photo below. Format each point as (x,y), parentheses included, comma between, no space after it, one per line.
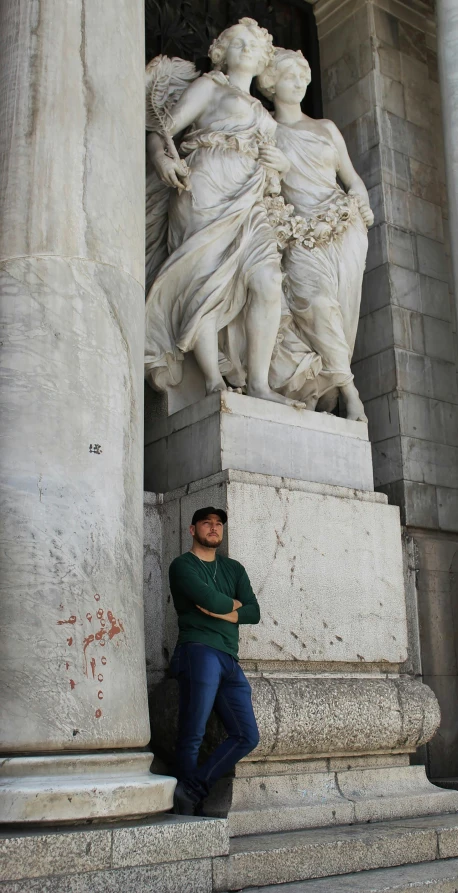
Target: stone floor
(184,855)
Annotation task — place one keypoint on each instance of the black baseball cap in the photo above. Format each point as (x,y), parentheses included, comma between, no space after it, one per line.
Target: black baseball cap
(201,514)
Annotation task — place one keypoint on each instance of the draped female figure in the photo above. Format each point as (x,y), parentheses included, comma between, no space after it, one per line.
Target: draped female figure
(325,257)
(222,259)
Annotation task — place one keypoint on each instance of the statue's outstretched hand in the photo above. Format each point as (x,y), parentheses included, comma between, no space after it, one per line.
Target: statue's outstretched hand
(172,172)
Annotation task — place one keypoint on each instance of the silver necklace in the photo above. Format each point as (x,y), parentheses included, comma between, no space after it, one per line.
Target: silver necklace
(205,563)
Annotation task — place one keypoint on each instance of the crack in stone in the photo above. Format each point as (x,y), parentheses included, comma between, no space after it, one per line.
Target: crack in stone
(344,796)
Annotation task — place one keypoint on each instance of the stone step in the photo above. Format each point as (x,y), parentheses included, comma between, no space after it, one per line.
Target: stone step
(426,877)
(264,859)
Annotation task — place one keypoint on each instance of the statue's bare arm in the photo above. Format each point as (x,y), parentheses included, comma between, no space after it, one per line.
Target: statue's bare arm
(195,100)
(350,179)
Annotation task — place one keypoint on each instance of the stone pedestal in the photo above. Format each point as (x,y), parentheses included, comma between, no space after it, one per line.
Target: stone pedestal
(231,431)
(72,672)
(337,713)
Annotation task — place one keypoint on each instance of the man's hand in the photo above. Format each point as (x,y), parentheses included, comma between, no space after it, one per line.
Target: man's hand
(232,617)
(236,604)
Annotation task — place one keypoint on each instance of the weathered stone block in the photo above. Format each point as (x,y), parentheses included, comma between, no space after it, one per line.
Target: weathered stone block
(306,854)
(436,618)
(435,298)
(426,375)
(431,258)
(389,61)
(346,71)
(429,877)
(421,417)
(430,463)
(353,103)
(382,413)
(425,218)
(391,95)
(408,329)
(362,134)
(412,41)
(46,853)
(420,505)
(375,375)
(447,506)
(234,431)
(338,42)
(407,137)
(388,463)
(440,341)
(170,839)
(425,181)
(386,27)
(318,561)
(375,333)
(194,876)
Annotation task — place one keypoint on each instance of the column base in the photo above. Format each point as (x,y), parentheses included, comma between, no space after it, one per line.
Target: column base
(82,787)
(269,796)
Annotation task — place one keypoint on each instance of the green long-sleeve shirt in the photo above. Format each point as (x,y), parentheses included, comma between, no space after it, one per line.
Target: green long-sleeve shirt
(192,583)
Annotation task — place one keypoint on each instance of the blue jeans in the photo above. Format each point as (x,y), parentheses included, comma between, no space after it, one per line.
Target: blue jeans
(210,679)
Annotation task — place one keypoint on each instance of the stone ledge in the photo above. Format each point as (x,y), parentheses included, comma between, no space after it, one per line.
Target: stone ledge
(193,876)
(427,877)
(282,858)
(62,851)
(231,476)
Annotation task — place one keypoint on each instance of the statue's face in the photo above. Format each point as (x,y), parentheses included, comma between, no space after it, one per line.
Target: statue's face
(292,82)
(245,52)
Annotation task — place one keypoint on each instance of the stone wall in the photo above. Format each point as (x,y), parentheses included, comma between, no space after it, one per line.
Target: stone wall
(380,85)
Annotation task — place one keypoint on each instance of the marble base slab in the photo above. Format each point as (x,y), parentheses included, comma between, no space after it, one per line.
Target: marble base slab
(231,430)
(81,787)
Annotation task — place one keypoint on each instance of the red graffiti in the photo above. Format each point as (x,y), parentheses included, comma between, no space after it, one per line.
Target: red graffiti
(100,677)
(100,695)
(89,617)
(98,713)
(70,641)
(93,667)
(97,597)
(67,665)
(87,641)
(71,619)
(116,626)
(100,613)
(104,660)
(72,684)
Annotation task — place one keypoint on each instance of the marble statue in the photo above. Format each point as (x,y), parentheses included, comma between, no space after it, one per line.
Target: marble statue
(326,242)
(255,254)
(217,288)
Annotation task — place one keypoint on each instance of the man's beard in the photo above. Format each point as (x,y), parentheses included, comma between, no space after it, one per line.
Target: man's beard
(211,543)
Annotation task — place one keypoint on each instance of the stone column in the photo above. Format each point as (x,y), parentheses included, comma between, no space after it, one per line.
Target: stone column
(447,49)
(72,307)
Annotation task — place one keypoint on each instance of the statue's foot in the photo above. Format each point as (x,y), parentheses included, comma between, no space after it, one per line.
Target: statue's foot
(274,397)
(213,385)
(355,410)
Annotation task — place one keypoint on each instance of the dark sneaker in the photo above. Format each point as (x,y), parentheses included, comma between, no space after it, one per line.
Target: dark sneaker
(183,801)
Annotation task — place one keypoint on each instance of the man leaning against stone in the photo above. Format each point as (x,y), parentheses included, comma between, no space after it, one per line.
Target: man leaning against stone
(212,595)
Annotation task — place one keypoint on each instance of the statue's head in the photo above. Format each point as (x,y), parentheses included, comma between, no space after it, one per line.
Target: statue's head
(286,77)
(244,47)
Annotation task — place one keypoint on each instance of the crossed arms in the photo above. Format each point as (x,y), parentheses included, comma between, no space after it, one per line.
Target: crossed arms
(208,599)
